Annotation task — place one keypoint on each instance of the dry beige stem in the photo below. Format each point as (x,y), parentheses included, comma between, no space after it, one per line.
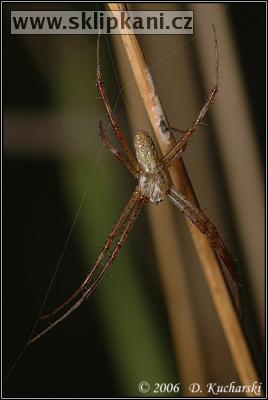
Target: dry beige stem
(227,314)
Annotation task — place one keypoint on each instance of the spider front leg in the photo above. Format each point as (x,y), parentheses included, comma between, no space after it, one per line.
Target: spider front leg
(203,223)
(118,132)
(105,139)
(180,147)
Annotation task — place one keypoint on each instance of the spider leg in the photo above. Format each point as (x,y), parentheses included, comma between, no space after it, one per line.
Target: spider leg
(202,222)
(91,286)
(105,139)
(180,147)
(141,201)
(107,245)
(118,132)
(179,130)
(182,131)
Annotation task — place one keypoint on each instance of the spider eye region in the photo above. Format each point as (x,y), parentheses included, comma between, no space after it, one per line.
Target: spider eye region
(153,186)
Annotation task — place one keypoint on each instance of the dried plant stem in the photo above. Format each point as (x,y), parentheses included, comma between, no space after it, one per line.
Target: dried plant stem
(227,314)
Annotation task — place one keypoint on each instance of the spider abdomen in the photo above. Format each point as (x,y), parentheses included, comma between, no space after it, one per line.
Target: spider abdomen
(152,183)
(153,186)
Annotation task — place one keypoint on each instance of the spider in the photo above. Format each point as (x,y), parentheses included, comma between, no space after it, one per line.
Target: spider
(150,170)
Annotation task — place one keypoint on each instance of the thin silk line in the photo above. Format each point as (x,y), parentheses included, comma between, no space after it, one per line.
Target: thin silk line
(61,255)
(89,181)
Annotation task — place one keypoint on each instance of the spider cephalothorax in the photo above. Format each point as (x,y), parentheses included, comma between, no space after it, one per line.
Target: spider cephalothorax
(152,183)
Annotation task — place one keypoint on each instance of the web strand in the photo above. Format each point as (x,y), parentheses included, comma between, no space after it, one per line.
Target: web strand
(59,263)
